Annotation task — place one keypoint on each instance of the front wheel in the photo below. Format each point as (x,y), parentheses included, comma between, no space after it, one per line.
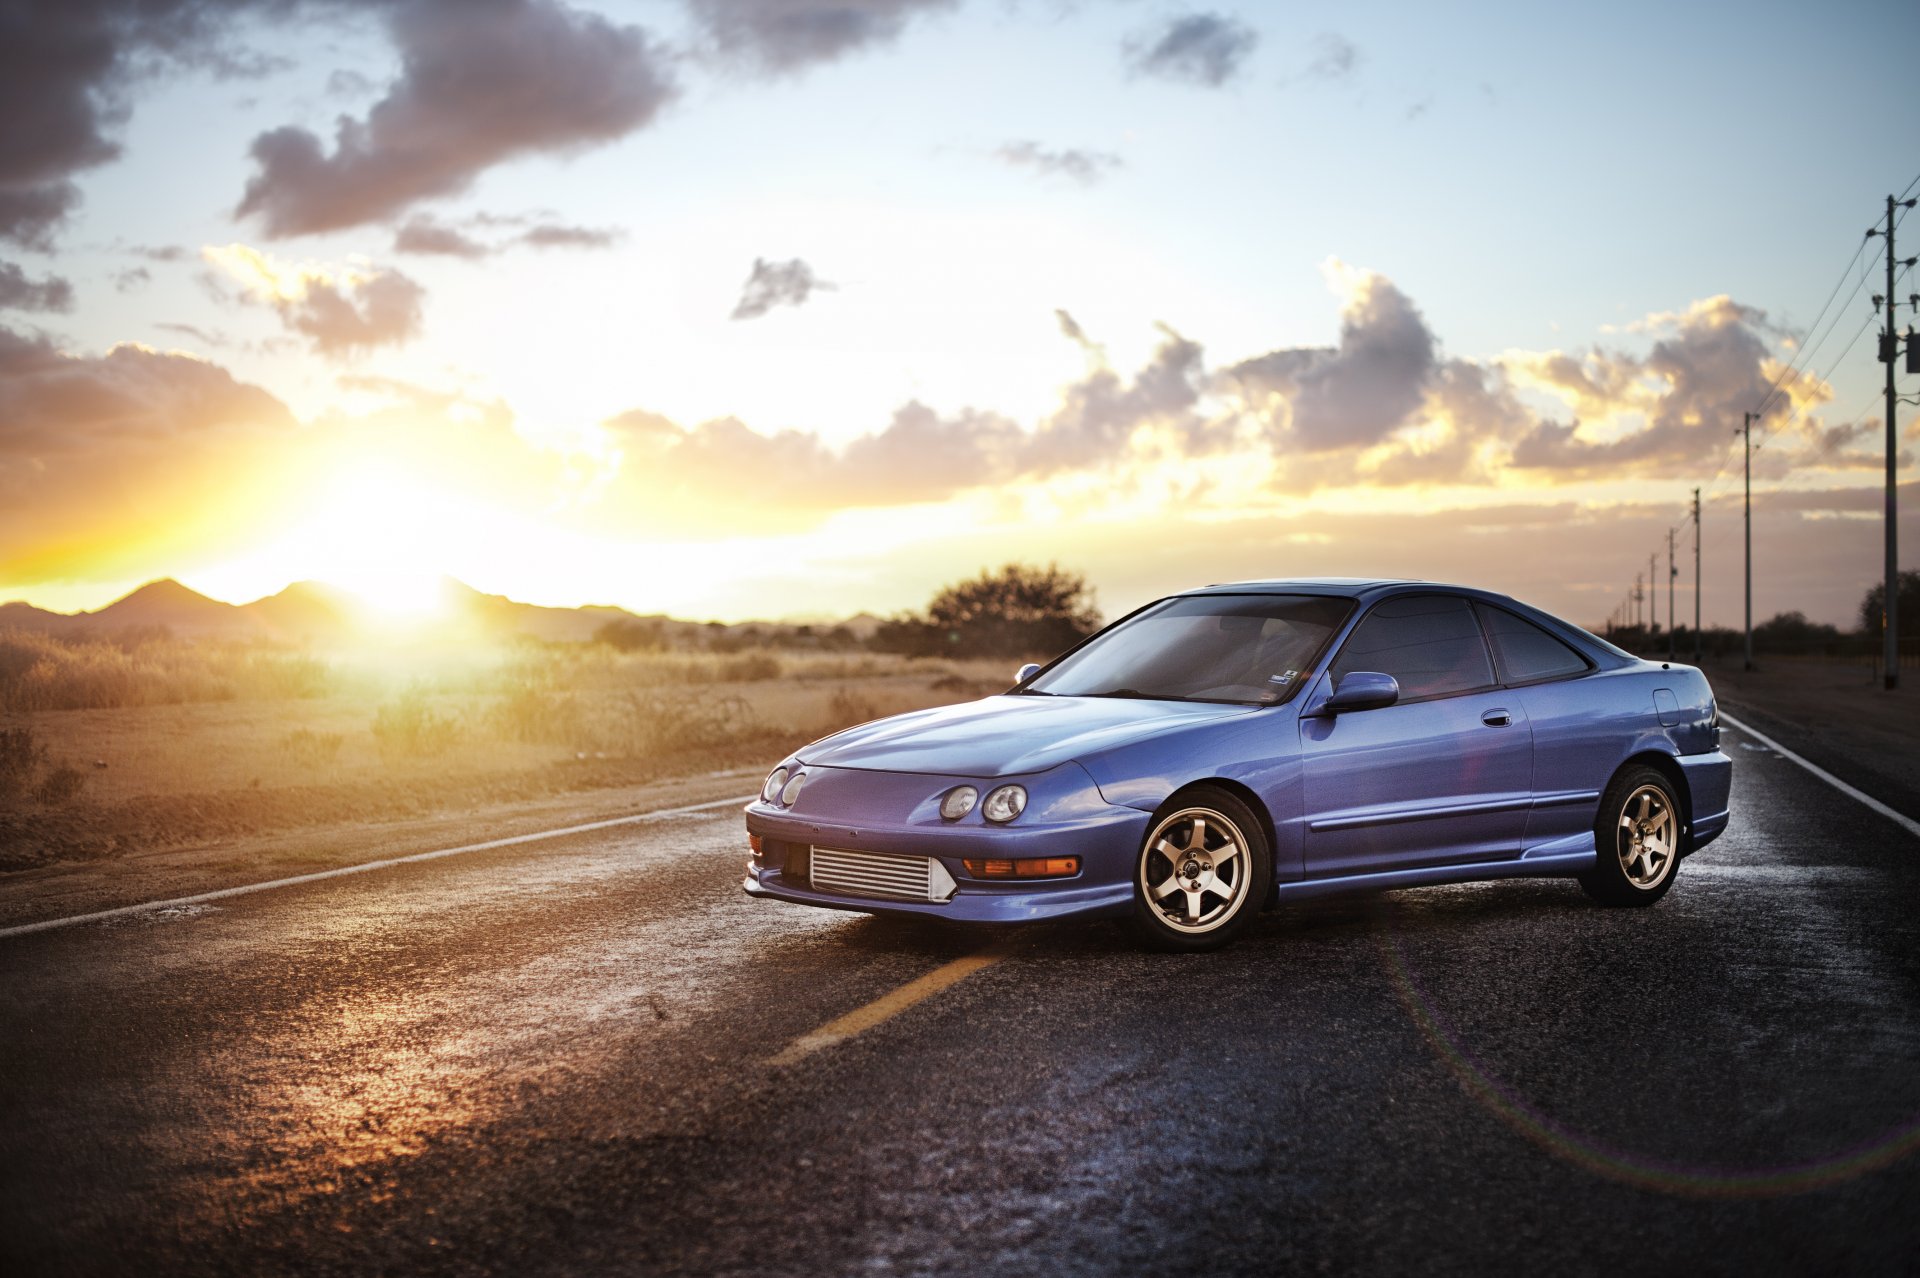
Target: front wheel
(1637,838)
(1202,874)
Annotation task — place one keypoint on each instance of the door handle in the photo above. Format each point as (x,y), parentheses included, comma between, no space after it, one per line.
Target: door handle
(1496,718)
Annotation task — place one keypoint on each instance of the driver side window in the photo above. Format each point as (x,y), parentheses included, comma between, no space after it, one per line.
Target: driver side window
(1431,644)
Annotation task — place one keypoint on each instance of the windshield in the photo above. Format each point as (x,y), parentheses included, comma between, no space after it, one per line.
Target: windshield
(1250,649)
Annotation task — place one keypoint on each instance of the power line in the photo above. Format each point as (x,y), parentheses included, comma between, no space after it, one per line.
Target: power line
(1804,352)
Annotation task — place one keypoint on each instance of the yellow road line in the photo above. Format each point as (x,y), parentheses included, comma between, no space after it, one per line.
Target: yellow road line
(889,1005)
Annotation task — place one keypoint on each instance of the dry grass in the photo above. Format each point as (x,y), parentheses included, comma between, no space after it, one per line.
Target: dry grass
(106,750)
(147,668)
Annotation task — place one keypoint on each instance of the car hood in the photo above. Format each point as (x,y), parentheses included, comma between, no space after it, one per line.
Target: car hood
(1006,735)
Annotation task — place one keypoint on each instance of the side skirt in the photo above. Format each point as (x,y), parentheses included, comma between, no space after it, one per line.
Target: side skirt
(1534,865)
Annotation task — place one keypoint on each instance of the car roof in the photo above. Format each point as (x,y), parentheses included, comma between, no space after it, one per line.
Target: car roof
(1370,589)
(1351,587)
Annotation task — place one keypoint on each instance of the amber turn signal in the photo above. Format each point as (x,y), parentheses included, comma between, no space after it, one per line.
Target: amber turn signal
(1046,867)
(753,841)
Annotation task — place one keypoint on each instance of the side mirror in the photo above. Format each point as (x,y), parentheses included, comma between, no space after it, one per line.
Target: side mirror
(1362,690)
(1026,672)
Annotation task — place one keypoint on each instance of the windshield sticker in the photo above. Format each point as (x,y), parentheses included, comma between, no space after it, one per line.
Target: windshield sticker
(1283,678)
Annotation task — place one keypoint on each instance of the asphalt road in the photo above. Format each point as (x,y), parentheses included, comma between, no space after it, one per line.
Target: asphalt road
(554,1058)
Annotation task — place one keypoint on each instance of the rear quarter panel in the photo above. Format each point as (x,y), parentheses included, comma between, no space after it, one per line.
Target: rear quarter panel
(1584,729)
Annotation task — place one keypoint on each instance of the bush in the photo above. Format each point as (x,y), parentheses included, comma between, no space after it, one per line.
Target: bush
(747,667)
(20,757)
(61,785)
(146,668)
(311,749)
(624,635)
(1019,611)
(409,727)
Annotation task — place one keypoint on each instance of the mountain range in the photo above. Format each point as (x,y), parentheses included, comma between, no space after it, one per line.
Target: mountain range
(312,611)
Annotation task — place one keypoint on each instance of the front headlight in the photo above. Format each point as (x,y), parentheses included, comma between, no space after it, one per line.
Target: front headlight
(1004,804)
(959,802)
(792,790)
(775,781)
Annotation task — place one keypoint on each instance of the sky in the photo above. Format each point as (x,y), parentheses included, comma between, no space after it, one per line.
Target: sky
(799,308)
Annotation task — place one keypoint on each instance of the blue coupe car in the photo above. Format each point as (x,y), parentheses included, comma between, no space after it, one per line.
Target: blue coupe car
(1228,748)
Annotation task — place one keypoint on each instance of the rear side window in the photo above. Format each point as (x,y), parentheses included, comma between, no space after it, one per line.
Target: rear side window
(1431,644)
(1525,652)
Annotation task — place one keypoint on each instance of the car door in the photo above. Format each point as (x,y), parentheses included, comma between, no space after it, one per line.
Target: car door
(1443,776)
(1576,738)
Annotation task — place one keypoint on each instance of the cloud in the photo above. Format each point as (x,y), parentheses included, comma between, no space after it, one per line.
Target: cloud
(19,293)
(1335,57)
(481,83)
(1084,167)
(787,35)
(65,70)
(1099,414)
(422,235)
(556,235)
(103,455)
(776,284)
(1071,330)
(339,312)
(1660,413)
(1201,48)
(1314,399)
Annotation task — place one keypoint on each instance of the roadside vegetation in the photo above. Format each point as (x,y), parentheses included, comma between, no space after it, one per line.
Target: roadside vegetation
(140,740)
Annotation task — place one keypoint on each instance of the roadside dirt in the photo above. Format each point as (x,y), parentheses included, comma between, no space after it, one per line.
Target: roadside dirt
(1837,716)
(70,887)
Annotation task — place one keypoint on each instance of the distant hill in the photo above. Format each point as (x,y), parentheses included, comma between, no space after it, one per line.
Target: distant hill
(312,611)
(169,605)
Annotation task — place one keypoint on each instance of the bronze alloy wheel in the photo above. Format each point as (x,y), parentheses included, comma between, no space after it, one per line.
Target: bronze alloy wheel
(1203,872)
(1637,839)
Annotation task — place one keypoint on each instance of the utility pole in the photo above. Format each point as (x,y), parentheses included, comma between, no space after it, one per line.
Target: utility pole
(1672,572)
(1653,600)
(1696,576)
(1746,430)
(1636,601)
(1889,344)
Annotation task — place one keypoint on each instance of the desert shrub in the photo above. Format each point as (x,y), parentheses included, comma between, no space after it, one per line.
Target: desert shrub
(20,757)
(846,708)
(1020,610)
(747,667)
(311,749)
(537,714)
(657,721)
(145,668)
(408,727)
(625,635)
(60,786)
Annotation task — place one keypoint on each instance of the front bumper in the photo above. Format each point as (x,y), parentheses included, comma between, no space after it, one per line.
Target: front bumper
(896,812)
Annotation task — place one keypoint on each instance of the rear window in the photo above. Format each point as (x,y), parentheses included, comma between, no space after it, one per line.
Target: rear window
(1430,644)
(1524,652)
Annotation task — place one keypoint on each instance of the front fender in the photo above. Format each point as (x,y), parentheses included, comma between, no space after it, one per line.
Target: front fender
(1259,753)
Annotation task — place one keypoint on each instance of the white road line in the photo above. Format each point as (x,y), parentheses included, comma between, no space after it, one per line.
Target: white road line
(47,925)
(1911,826)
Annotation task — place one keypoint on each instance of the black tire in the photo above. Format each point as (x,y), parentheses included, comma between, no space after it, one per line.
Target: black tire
(1222,879)
(1637,838)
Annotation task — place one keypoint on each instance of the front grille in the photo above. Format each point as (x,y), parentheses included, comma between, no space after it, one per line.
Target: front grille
(906,878)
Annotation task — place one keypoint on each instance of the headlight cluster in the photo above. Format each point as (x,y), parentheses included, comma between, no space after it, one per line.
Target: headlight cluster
(783,787)
(1002,805)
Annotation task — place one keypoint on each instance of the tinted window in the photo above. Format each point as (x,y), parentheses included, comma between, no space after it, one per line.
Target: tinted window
(1252,648)
(1430,643)
(1527,653)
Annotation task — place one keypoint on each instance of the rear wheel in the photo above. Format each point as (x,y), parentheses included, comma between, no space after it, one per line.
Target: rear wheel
(1203,872)
(1637,838)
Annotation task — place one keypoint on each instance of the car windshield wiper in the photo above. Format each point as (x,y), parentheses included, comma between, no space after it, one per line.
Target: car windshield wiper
(1134,694)
(1032,692)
